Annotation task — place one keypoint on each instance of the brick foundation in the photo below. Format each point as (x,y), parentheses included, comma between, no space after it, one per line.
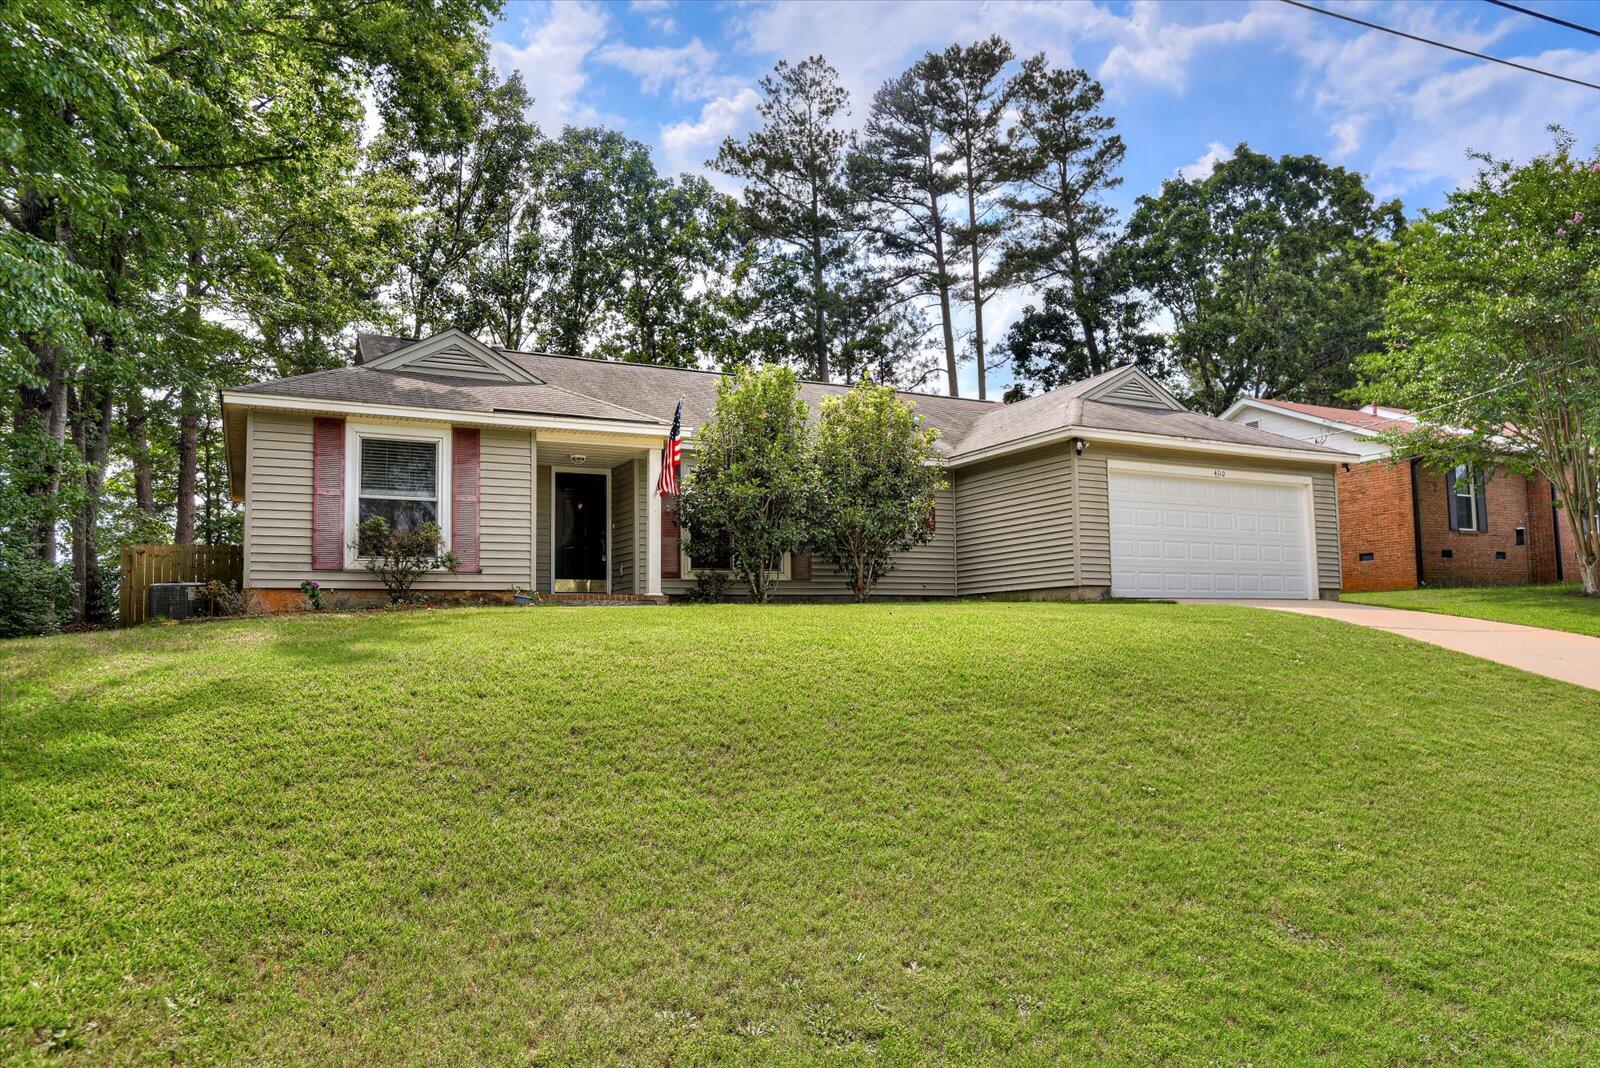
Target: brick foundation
(276,601)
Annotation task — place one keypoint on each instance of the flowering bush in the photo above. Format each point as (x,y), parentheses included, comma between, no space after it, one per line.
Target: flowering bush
(312,590)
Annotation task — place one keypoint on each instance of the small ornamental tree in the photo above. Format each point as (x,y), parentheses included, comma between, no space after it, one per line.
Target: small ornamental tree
(753,488)
(875,465)
(1494,330)
(400,557)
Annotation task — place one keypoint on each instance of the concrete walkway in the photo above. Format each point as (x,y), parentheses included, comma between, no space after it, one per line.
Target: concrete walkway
(1553,653)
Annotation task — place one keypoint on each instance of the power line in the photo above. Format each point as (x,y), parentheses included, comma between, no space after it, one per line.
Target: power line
(1437,44)
(1541,15)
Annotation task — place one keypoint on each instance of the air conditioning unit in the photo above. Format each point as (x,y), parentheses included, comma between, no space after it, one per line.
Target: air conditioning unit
(176,600)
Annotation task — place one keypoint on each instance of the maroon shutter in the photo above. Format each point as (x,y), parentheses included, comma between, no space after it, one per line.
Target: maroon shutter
(327,494)
(465,476)
(669,537)
(800,567)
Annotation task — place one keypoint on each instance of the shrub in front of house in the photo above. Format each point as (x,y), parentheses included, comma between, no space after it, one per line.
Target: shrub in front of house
(400,557)
(754,487)
(874,462)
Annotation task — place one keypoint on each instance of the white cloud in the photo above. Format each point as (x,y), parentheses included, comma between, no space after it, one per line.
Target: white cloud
(551,58)
(1216,152)
(688,70)
(1347,137)
(687,145)
(1160,51)
(650,5)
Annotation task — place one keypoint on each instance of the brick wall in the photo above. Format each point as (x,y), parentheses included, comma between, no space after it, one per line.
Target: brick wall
(1492,558)
(1375,520)
(1542,534)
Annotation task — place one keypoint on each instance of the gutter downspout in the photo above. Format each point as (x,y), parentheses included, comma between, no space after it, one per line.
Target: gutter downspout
(1416,522)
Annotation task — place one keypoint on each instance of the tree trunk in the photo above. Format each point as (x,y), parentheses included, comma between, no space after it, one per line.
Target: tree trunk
(136,418)
(43,409)
(188,463)
(819,343)
(97,416)
(977,277)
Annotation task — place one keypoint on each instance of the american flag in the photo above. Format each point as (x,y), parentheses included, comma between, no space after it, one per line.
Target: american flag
(667,485)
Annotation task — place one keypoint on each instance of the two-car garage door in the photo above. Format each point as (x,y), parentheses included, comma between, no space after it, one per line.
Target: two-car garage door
(1207,534)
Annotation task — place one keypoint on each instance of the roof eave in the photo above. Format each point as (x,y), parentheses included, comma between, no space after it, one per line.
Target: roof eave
(517,420)
(1160,441)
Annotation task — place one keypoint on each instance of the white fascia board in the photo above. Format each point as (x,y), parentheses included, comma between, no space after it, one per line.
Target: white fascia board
(1158,441)
(267,402)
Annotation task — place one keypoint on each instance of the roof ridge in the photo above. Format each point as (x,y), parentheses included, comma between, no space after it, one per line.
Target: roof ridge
(723,374)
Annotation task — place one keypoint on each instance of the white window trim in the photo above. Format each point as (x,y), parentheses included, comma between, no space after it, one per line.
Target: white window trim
(554,471)
(439,436)
(1471,479)
(1306,484)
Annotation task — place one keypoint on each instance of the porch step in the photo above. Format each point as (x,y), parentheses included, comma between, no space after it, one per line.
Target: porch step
(600,598)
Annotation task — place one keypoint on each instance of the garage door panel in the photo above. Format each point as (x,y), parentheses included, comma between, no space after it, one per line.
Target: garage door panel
(1186,536)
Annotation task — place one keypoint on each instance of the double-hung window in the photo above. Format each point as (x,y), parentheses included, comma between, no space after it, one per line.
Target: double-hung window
(400,477)
(1464,489)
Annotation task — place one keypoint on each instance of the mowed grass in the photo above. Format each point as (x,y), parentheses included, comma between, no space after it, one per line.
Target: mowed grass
(886,834)
(1558,607)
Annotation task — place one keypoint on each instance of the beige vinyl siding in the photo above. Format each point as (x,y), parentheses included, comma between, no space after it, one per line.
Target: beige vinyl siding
(926,571)
(278,516)
(541,540)
(1015,528)
(1094,505)
(622,527)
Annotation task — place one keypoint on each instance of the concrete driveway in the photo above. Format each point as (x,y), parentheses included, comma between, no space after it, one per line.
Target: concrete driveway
(1553,653)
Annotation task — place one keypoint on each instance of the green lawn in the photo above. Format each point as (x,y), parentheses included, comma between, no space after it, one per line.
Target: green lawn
(890,834)
(1557,607)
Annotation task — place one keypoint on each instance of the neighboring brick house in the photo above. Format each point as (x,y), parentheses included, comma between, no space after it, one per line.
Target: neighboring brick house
(1404,525)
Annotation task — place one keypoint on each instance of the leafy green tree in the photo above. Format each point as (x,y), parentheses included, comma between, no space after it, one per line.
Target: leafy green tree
(753,488)
(682,240)
(593,178)
(1063,160)
(900,176)
(875,464)
(971,101)
(468,181)
(797,194)
(1494,332)
(1271,271)
(1048,349)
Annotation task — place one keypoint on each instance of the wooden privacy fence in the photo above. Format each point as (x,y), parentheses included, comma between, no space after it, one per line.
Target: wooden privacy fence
(144,565)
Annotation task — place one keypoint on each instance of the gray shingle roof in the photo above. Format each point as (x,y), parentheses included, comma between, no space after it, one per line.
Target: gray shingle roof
(367,385)
(599,389)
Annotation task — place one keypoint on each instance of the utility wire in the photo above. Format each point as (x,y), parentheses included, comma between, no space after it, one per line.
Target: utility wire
(1437,44)
(1541,15)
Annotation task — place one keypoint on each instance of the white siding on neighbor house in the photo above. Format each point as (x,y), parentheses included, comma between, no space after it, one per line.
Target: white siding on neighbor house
(1015,529)
(1094,507)
(1291,426)
(278,512)
(926,571)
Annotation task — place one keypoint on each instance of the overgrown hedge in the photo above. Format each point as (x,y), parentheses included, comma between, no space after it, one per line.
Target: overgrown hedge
(35,598)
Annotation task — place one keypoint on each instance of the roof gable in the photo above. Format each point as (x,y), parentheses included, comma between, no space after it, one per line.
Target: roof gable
(1131,386)
(454,354)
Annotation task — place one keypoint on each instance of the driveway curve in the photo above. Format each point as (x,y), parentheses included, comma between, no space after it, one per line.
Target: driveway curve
(1555,654)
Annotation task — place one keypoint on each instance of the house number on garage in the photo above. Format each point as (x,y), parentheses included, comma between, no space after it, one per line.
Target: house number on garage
(1220,474)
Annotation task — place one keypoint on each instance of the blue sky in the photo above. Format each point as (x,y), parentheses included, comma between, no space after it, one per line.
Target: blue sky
(1185,80)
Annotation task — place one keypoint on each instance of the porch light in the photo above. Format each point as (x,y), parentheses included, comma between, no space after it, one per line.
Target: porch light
(577,457)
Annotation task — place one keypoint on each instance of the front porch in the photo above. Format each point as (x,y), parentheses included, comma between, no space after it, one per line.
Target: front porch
(597,518)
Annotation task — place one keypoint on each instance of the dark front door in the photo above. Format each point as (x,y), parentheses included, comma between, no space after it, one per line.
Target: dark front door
(580,533)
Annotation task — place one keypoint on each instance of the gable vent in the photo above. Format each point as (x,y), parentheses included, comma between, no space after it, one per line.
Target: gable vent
(457,362)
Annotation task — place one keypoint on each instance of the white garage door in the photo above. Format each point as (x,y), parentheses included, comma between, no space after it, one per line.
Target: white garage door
(1179,535)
